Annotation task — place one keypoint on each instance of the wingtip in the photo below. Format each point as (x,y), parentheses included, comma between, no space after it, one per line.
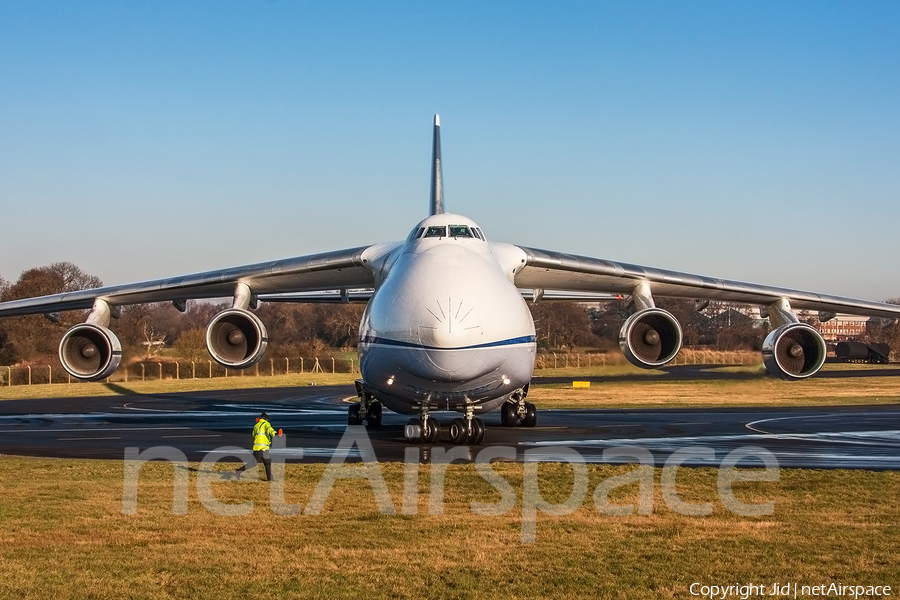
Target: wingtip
(437,120)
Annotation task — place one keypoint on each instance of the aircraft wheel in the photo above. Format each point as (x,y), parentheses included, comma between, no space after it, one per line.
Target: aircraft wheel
(432,431)
(476,436)
(374,417)
(413,431)
(458,431)
(353,417)
(508,414)
(530,415)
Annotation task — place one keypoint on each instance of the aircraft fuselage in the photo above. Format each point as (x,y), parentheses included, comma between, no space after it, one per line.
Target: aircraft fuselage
(446,325)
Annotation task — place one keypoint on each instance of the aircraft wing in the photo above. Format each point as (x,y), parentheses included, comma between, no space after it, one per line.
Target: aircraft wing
(549,270)
(340,269)
(362,296)
(340,296)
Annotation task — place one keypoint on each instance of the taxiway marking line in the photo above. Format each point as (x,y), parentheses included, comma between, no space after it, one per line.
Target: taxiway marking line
(751,424)
(40,430)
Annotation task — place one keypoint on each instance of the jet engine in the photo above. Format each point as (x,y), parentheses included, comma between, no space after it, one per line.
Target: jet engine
(236,338)
(90,352)
(794,351)
(650,338)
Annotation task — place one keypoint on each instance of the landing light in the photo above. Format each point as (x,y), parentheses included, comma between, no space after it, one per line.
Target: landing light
(390,381)
(505,380)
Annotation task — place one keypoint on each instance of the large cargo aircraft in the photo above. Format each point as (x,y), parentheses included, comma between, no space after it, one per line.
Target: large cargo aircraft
(446,324)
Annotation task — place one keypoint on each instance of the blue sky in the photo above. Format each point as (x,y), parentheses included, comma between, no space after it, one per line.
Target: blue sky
(757,141)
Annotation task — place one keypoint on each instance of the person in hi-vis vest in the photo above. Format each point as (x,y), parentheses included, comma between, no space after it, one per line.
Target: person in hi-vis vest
(263,433)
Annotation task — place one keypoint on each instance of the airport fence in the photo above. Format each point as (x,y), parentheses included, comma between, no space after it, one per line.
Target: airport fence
(180,369)
(566,360)
(168,369)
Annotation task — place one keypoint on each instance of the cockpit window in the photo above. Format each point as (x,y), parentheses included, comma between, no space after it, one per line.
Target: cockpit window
(435,231)
(416,233)
(460,231)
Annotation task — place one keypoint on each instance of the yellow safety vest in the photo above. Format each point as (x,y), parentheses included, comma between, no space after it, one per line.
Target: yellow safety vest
(262,435)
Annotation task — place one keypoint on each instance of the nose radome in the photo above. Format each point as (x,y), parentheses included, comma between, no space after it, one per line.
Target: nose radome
(450,323)
(448,330)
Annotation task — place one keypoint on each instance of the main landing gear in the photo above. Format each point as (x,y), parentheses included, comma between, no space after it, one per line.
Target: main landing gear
(468,430)
(516,411)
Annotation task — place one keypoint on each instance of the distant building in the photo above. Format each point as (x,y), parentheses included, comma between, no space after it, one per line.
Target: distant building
(843,328)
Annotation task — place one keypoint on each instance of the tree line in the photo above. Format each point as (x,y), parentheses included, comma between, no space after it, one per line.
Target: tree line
(149,331)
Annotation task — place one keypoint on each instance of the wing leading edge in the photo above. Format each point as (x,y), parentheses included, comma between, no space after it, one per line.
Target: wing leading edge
(340,269)
(546,269)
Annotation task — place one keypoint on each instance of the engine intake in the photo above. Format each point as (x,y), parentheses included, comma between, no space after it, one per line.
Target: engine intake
(236,338)
(650,338)
(90,352)
(794,351)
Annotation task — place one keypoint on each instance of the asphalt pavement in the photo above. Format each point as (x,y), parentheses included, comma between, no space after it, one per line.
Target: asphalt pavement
(314,419)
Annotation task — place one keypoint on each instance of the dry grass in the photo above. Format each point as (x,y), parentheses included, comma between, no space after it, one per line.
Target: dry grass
(64,536)
(648,391)
(80,390)
(880,390)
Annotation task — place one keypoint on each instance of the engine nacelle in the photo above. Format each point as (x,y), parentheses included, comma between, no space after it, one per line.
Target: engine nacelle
(650,338)
(794,351)
(236,338)
(90,352)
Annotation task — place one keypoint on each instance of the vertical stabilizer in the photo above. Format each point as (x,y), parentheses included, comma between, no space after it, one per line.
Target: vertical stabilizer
(437,176)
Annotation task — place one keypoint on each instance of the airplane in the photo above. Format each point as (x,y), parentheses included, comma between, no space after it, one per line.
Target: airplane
(446,324)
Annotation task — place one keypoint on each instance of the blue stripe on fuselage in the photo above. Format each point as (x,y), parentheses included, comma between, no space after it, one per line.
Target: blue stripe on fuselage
(525,339)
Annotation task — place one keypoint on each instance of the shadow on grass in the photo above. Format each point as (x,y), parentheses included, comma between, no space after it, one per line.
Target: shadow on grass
(120,390)
(124,391)
(710,373)
(859,373)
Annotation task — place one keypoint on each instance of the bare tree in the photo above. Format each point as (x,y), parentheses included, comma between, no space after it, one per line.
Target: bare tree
(191,344)
(606,321)
(72,277)
(889,335)
(4,337)
(153,340)
(562,325)
(31,336)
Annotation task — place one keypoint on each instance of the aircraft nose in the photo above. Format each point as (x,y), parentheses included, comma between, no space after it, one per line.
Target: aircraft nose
(450,323)
(450,332)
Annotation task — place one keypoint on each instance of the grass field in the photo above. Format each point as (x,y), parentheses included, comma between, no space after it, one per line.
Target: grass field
(75,390)
(752,389)
(64,536)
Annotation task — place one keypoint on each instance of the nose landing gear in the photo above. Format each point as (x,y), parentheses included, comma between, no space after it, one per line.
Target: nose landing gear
(427,429)
(424,429)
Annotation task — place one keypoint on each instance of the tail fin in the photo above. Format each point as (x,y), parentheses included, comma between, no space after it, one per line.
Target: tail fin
(437,176)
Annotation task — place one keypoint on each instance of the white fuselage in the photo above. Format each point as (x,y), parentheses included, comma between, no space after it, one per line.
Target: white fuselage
(445,325)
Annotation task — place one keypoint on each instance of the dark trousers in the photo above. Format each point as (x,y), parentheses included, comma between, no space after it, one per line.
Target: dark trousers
(261,456)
